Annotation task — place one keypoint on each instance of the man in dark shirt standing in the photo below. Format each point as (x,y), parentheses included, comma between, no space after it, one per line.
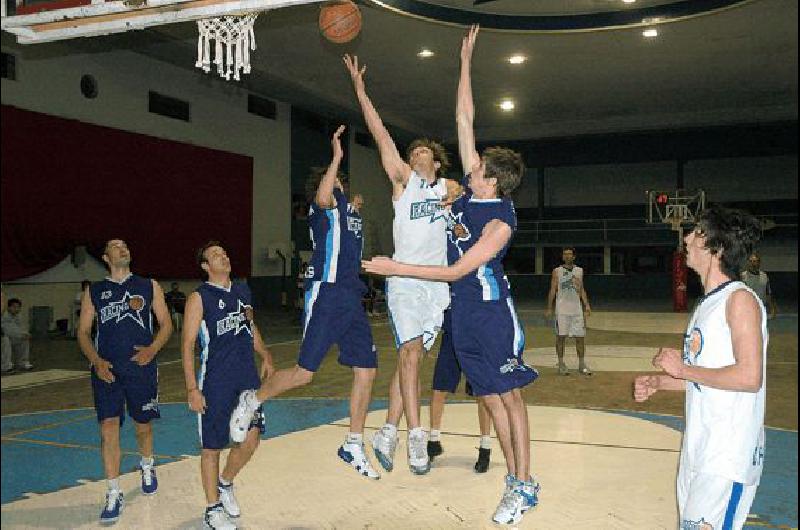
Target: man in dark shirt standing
(176,301)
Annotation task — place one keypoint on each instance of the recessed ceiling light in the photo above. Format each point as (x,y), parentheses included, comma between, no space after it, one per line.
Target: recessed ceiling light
(650,33)
(628,1)
(507,105)
(517,59)
(424,53)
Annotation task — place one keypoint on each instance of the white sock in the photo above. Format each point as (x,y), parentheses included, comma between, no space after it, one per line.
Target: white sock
(390,430)
(486,442)
(354,438)
(255,398)
(113,484)
(147,461)
(416,431)
(224,482)
(435,435)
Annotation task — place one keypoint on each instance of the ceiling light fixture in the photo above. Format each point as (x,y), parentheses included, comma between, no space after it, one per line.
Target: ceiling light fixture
(628,1)
(424,53)
(517,59)
(651,32)
(507,105)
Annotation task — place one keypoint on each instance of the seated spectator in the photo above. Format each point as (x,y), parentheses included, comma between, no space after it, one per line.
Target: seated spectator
(176,302)
(19,338)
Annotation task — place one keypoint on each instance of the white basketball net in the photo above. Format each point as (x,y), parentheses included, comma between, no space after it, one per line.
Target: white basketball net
(235,34)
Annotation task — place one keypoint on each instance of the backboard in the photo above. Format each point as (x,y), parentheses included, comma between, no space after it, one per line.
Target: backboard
(676,208)
(44,21)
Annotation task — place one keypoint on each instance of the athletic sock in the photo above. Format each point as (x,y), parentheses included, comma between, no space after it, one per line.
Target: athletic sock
(224,482)
(113,484)
(147,461)
(354,438)
(416,431)
(435,435)
(486,442)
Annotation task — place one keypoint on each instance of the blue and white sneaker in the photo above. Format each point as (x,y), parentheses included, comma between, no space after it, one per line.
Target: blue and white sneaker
(112,508)
(529,492)
(228,500)
(215,518)
(384,445)
(242,416)
(149,480)
(354,454)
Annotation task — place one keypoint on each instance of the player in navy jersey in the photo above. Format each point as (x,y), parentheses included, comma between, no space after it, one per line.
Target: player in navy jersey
(124,369)
(487,335)
(220,315)
(333,313)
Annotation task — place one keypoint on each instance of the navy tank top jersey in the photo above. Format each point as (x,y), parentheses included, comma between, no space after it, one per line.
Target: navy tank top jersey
(226,333)
(124,317)
(468,217)
(338,241)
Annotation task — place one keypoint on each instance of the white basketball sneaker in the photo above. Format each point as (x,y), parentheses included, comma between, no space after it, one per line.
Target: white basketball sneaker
(355,455)
(384,445)
(243,415)
(418,459)
(216,518)
(228,500)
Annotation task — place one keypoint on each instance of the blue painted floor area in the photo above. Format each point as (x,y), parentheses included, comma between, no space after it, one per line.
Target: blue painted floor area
(776,498)
(49,451)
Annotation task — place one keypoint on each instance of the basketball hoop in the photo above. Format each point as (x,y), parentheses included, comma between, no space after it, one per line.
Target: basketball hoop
(236,33)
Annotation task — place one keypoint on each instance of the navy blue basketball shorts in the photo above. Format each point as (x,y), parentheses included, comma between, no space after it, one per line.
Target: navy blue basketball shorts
(334,315)
(489,341)
(222,396)
(135,386)
(447,373)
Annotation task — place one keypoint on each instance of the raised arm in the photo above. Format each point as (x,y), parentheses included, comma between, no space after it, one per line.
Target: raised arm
(394,165)
(324,197)
(494,237)
(465,107)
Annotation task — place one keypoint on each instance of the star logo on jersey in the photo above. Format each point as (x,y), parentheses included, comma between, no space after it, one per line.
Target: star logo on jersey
(692,348)
(457,231)
(236,321)
(131,306)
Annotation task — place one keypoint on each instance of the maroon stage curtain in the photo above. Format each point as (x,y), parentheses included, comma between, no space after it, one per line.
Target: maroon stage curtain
(66,183)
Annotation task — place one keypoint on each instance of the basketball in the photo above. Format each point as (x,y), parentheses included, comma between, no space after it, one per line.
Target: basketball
(340,21)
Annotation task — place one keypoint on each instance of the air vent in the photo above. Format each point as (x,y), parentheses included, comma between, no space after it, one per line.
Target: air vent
(8,67)
(169,107)
(261,107)
(364,139)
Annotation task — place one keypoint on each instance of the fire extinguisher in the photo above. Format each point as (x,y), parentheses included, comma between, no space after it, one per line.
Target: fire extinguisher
(679,278)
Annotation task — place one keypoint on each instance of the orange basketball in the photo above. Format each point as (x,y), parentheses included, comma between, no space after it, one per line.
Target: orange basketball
(340,21)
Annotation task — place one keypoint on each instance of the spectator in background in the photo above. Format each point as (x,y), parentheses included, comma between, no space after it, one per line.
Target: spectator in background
(176,302)
(358,202)
(758,281)
(7,366)
(19,338)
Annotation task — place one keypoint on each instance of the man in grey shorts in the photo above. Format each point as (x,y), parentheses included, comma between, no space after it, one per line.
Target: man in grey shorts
(758,281)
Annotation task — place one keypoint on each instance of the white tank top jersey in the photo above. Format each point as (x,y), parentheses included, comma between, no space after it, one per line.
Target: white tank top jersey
(420,223)
(568,301)
(724,432)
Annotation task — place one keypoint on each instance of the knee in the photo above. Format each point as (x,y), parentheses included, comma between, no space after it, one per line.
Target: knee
(409,354)
(109,429)
(365,374)
(143,428)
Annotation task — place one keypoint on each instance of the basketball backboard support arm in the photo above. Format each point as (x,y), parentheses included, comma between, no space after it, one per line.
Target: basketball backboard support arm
(103,18)
(675,208)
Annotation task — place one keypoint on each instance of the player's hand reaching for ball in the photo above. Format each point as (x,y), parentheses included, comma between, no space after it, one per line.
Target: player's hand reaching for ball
(644,386)
(197,401)
(381,265)
(337,144)
(468,44)
(355,74)
(103,370)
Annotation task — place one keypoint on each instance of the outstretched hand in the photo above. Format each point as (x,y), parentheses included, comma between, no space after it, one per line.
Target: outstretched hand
(356,74)
(336,143)
(380,265)
(468,44)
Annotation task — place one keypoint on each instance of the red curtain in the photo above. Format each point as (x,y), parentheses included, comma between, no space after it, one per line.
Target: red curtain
(66,183)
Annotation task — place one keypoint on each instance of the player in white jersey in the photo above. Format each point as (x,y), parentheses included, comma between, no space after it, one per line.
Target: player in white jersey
(722,369)
(758,281)
(568,292)
(419,195)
